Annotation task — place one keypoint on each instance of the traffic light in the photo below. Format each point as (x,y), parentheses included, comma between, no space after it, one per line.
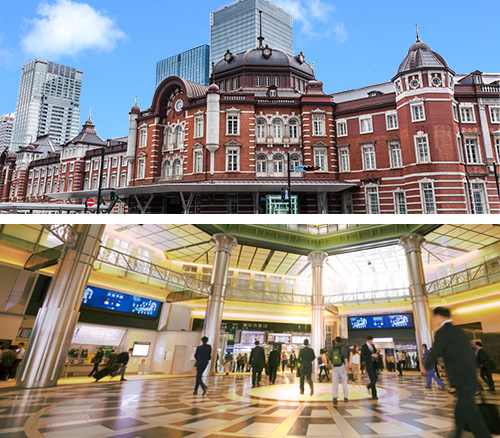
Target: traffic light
(285,193)
(311,167)
(112,196)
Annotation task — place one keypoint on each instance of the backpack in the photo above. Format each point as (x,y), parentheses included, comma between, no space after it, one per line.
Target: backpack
(337,359)
(320,361)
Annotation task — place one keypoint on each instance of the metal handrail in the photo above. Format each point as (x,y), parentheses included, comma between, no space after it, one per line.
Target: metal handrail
(373,296)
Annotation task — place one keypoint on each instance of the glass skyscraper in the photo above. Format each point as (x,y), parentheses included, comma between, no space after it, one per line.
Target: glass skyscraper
(48,103)
(192,65)
(237,26)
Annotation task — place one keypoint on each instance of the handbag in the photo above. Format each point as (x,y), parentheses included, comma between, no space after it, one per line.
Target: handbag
(95,360)
(490,414)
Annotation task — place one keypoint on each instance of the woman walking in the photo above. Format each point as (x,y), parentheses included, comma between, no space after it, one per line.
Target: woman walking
(355,366)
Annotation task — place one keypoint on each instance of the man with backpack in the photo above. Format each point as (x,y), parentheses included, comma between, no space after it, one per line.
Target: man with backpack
(339,359)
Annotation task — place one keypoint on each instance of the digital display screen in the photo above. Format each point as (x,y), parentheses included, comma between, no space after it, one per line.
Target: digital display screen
(86,334)
(381,321)
(278,338)
(141,349)
(119,302)
(251,337)
(298,339)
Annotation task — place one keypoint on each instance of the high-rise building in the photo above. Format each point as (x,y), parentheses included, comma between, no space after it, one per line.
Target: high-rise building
(6,125)
(48,103)
(236,27)
(192,65)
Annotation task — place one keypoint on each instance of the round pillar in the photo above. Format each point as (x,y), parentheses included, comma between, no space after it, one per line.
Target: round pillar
(56,320)
(419,300)
(224,245)
(317,259)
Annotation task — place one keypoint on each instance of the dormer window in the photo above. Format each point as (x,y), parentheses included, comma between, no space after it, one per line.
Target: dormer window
(374,93)
(272,93)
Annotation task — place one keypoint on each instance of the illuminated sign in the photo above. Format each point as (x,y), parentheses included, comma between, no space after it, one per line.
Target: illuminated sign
(141,349)
(119,302)
(87,334)
(251,337)
(278,338)
(381,321)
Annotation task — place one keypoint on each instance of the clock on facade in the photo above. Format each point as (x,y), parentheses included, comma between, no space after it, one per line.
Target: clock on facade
(414,83)
(179,104)
(266,51)
(436,81)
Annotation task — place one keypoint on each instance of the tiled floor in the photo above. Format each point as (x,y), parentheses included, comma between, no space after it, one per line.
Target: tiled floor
(167,408)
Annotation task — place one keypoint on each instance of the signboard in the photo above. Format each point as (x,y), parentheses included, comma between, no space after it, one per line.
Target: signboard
(251,337)
(299,168)
(381,321)
(86,334)
(279,338)
(90,202)
(141,349)
(119,302)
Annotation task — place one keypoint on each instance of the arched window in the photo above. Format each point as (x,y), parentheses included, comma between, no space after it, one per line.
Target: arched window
(294,161)
(278,163)
(177,168)
(277,129)
(168,139)
(261,163)
(260,129)
(293,128)
(179,137)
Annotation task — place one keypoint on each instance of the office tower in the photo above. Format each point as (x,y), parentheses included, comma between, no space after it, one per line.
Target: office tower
(48,103)
(6,125)
(235,27)
(192,65)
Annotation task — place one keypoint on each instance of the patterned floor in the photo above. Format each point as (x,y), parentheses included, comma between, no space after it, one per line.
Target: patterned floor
(167,408)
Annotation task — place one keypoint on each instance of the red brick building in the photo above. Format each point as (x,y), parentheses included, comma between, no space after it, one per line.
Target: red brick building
(426,142)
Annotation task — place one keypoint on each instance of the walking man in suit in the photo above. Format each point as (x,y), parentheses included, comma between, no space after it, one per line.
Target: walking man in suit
(274,363)
(203,355)
(487,365)
(452,344)
(369,356)
(258,361)
(306,358)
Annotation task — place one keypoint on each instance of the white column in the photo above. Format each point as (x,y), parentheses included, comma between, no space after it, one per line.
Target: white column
(224,245)
(317,258)
(419,300)
(131,144)
(213,124)
(56,320)
(486,135)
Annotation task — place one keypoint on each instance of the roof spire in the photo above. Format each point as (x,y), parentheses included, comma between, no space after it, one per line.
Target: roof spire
(418,39)
(136,99)
(260,38)
(90,112)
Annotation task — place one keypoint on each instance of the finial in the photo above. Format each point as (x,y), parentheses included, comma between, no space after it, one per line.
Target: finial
(260,38)
(213,72)
(418,39)
(90,112)
(136,100)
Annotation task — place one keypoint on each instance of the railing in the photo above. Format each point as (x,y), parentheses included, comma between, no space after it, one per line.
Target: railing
(487,272)
(287,101)
(374,296)
(490,88)
(265,296)
(234,97)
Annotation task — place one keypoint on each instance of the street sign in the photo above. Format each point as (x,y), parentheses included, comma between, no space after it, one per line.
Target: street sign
(90,202)
(299,168)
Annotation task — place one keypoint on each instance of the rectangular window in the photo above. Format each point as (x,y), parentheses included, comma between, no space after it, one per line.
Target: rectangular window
(320,159)
(472,151)
(115,161)
(96,164)
(497,147)
(400,202)
(455,112)
(369,162)
(123,180)
(141,168)
(460,148)
(232,208)
(479,198)
(63,169)
(267,81)
(423,154)
(233,159)
(417,112)
(344,163)
(396,155)
(495,114)
(391,120)
(318,121)
(87,166)
(258,81)
(467,114)
(365,124)
(276,81)
(428,200)
(143,138)
(233,126)
(235,83)
(372,200)
(198,161)
(198,126)
(342,128)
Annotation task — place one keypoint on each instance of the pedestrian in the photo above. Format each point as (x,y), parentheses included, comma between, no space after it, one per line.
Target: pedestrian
(340,362)
(452,344)
(487,366)
(399,361)
(284,361)
(306,357)
(6,361)
(274,363)
(258,361)
(239,363)
(202,355)
(355,365)
(293,361)
(324,365)
(96,360)
(369,357)
(122,360)
(228,362)
(111,367)
(246,365)
(19,358)
(430,370)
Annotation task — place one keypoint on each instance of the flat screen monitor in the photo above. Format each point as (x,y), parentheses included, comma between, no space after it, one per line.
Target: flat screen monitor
(278,338)
(251,337)
(404,320)
(119,302)
(141,349)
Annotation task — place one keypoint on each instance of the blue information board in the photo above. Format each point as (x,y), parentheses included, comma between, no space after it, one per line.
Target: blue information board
(381,321)
(119,302)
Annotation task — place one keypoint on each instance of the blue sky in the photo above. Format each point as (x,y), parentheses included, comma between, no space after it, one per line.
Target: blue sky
(117,43)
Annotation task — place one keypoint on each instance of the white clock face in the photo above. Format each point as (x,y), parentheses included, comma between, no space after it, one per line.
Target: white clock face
(179,104)
(414,83)
(436,82)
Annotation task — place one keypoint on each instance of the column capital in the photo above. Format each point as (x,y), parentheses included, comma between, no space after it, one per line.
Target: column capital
(224,242)
(411,242)
(317,258)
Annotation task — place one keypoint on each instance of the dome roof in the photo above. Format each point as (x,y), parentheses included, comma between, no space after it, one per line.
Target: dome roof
(421,56)
(256,57)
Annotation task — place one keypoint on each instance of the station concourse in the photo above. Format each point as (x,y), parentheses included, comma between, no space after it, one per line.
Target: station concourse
(70,290)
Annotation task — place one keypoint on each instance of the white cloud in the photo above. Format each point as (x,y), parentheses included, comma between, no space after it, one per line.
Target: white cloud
(66,28)
(315,17)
